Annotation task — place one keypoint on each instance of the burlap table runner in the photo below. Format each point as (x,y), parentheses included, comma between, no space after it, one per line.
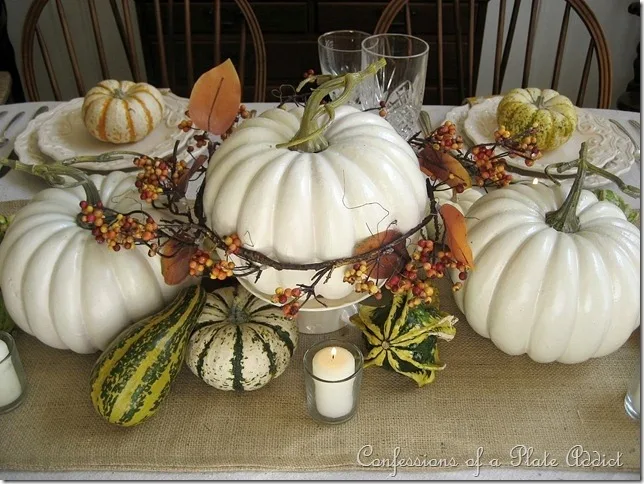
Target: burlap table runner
(484,403)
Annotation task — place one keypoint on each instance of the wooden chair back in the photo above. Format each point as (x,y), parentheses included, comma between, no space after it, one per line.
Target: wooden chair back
(467,64)
(166,44)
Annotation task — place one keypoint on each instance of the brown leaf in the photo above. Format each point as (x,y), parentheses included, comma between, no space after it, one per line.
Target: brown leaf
(385,264)
(175,265)
(215,99)
(441,165)
(456,234)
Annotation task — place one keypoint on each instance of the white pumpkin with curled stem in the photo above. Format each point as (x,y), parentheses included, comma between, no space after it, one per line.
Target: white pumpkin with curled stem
(58,283)
(306,185)
(557,272)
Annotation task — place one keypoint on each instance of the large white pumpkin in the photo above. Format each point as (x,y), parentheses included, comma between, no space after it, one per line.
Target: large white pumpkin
(308,207)
(556,296)
(65,289)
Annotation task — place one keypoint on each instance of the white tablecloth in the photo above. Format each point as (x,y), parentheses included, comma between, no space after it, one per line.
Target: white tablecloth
(15,186)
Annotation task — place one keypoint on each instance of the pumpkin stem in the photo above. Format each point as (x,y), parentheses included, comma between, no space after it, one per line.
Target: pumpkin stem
(55,173)
(565,218)
(309,138)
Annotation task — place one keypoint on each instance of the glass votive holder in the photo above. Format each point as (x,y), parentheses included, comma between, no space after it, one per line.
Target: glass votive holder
(632,400)
(12,375)
(333,374)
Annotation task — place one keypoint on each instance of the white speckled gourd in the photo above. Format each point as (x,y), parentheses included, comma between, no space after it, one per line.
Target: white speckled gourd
(240,342)
(556,295)
(307,207)
(65,289)
(122,111)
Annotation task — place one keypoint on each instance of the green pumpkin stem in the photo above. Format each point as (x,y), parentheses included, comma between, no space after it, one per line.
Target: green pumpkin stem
(54,173)
(310,137)
(565,218)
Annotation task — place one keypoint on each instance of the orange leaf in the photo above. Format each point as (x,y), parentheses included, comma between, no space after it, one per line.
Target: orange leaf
(443,167)
(175,265)
(456,234)
(387,263)
(215,98)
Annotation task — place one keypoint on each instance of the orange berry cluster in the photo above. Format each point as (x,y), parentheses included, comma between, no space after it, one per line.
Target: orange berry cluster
(201,261)
(491,168)
(233,243)
(186,124)
(156,176)
(524,145)
(444,138)
(358,275)
(122,231)
(421,290)
(243,113)
(283,295)
(433,265)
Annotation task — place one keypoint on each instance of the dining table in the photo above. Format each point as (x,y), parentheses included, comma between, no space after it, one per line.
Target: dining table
(21,186)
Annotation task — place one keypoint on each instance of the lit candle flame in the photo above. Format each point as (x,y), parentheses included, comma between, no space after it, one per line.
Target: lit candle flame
(535,181)
(333,352)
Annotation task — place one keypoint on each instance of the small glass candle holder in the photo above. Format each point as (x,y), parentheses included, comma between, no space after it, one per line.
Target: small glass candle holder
(12,375)
(632,400)
(333,374)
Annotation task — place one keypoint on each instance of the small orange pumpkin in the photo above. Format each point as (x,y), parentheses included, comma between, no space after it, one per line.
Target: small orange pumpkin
(122,111)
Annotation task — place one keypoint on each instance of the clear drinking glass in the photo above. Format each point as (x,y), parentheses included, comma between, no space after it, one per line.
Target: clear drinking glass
(333,374)
(340,52)
(12,375)
(401,83)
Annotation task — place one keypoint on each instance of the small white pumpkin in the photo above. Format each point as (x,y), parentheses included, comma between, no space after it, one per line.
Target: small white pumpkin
(556,295)
(64,288)
(122,111)
(240,342)
(305,207)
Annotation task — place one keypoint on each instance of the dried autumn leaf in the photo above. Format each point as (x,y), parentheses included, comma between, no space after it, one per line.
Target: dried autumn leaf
(175,265)
(443,167)
(386,263)
(215,99)
(456,234)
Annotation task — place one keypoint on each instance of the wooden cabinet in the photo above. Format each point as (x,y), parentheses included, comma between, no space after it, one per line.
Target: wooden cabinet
(291,29)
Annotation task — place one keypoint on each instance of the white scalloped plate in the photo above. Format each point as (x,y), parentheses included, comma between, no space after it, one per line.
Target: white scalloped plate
(26,144)
(63,135)
(458,116)
(607,147)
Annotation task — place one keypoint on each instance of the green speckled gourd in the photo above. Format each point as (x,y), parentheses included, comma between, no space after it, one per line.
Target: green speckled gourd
(556,115)
(404,339)
(133,375)
(240,342)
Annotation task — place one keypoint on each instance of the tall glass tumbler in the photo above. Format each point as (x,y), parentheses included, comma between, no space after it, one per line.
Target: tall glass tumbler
(400,85)
(340,52)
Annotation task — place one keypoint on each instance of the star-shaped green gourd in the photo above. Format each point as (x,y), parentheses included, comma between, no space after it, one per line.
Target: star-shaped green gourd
(404,339)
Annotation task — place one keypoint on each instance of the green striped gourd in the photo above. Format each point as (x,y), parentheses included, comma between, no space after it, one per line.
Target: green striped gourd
(555,114)
(133,375)
(240,342)
(404,339)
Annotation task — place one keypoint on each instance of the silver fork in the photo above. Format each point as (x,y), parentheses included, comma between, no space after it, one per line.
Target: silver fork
(3,139)
(627,133)
(634,124)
